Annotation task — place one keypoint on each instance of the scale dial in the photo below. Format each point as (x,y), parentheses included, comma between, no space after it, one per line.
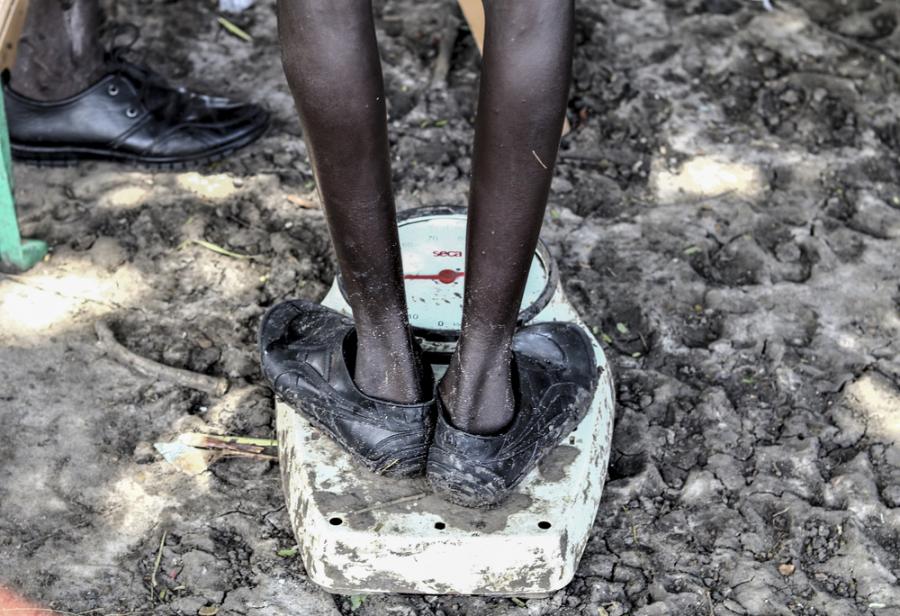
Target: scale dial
(433,243)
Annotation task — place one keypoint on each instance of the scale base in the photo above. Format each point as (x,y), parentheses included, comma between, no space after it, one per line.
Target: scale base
(362,533)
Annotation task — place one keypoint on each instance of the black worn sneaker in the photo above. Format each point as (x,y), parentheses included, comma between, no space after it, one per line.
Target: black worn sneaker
(131,115)
(554,375)
(307,354)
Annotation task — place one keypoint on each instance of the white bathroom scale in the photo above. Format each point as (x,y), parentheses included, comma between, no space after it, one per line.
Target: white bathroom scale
(359,533)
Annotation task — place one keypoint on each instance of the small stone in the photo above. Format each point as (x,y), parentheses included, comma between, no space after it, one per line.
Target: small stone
(763,56)
(891,496)
(786,569)
(788,252)
(202,359)
(144,453)
(562,186)
(654,609)
(281,242)
(177,353)
(205,574)
(187,605)
(238,362)
(108,253)
(791,97)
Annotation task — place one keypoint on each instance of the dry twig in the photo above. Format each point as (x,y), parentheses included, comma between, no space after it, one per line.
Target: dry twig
(211,385)
(445,49)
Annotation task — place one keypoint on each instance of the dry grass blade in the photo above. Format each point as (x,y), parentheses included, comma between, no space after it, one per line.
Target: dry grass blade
(220,250)
(216,441)
(162,543)
(235,30)
(303,202)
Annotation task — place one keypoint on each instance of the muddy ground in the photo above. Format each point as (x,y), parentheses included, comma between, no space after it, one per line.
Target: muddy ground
(726,215)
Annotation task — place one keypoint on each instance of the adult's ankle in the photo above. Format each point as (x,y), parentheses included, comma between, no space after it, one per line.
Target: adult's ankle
(43,92)
(38,84)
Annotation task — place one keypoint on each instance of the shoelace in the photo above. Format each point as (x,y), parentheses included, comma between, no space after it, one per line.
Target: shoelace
(160,99)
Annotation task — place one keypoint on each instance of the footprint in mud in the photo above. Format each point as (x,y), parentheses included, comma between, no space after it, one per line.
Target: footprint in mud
(606,261)
(789,259)
(626,329)
(701,327)
(739,263)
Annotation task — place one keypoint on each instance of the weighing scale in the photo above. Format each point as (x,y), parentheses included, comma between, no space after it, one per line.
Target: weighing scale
(363,533)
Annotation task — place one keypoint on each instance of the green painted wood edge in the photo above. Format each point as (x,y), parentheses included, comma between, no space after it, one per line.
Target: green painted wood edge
(15,254)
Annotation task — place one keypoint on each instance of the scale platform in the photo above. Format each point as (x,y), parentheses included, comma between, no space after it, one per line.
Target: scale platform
(362,533)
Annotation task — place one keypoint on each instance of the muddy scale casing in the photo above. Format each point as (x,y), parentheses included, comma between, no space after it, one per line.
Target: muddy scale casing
(362,533)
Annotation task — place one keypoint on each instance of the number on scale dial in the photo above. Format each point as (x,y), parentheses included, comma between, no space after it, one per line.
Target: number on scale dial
(433,251)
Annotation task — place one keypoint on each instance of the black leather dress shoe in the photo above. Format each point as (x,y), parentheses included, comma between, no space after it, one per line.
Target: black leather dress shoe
(305,350)
(131,115)
(555,373)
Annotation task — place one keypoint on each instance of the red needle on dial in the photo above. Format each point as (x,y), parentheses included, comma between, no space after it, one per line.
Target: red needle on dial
(446,276)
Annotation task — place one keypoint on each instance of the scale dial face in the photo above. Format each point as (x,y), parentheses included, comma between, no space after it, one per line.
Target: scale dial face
(433,249)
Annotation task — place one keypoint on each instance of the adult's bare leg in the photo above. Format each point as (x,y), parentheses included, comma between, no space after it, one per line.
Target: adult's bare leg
(521,108)
(60,52)
(334,72)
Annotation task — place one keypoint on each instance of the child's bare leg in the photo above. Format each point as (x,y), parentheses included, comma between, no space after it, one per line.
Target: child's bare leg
(332,66)
(521,107)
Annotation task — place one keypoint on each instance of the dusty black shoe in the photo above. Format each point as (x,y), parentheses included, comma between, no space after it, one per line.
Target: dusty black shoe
(307,354)
(131,115)
(554,375)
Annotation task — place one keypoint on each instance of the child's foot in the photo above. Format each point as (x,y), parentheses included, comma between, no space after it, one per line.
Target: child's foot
(555,373)
(307,355)
(477,389)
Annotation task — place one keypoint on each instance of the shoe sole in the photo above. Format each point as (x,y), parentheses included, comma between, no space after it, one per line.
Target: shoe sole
(67,157)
